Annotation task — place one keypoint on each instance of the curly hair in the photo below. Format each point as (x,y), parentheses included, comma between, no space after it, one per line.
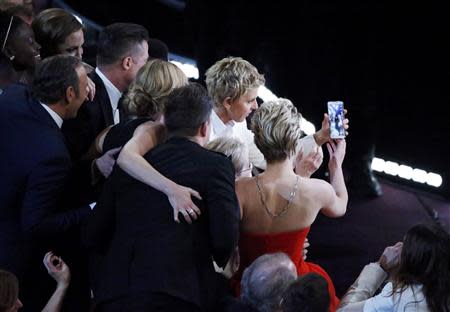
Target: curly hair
(231,77)
(276,125)
(147,94)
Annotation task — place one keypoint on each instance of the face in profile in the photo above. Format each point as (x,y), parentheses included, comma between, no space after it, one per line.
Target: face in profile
(138,58)
(23,47)
(73,44)
(240,108)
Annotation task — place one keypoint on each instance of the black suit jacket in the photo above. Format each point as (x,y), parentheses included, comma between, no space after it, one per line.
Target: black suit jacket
(146,250)
(92,118)
(36,214)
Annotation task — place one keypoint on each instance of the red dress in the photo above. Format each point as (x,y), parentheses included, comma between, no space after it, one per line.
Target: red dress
(253,245)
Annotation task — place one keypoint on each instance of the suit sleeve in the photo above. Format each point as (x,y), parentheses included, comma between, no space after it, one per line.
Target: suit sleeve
(100,224)
(42,213)
(223,209)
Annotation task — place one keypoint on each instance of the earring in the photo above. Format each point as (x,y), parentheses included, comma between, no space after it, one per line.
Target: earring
(12,57)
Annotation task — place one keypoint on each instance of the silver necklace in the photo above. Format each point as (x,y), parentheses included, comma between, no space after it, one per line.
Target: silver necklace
(286,207)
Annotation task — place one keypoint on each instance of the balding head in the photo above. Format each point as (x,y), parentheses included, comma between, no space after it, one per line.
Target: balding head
(266,279)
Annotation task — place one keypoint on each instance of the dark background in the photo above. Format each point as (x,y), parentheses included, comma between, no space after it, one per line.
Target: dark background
(387,62)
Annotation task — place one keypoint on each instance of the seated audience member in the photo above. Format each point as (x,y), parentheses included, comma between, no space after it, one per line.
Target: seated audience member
(144,101)
(19,51)
(278,207)
(9,286)
(236,151)
(418,271)
(309,293)
(265,280)
(152,263)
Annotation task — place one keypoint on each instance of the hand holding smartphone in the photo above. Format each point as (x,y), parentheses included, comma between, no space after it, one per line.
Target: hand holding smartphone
(336,119)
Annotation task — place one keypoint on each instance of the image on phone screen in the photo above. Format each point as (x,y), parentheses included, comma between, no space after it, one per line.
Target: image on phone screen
(336,118)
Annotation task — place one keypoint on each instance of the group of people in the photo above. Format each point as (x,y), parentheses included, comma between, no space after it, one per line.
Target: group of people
(199,209)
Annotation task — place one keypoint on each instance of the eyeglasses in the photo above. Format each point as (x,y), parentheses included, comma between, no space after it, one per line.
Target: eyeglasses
(7,33)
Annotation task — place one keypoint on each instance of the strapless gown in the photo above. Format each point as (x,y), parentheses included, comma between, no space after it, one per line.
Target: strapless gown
(253,245)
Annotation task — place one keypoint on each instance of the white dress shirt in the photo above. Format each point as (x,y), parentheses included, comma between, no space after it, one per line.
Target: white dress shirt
(54,115)
(239,131)
(113,93)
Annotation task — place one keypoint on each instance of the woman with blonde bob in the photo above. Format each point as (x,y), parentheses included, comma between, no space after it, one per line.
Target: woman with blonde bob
(278,206)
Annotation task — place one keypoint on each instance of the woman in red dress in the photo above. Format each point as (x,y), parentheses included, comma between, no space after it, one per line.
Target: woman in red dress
(278,206)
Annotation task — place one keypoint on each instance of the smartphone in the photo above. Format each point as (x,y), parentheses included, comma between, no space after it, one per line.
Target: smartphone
(336,118)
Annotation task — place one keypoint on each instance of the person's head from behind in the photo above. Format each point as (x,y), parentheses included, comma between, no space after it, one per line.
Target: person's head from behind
(265,280)
(17,43)
(147,94)
(58,32)
(187,113)
(9,292)
(425,259)
(61,80)
(123,47)
(309,293)
(157,49)
(21,11)
(276,125)
(233,85)
(234,149)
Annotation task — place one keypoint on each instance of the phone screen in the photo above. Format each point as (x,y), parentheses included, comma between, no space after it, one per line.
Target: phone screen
(336,118)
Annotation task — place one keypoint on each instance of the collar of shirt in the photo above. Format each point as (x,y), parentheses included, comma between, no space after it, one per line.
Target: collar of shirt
(54,115)
(219,128)
(113,93)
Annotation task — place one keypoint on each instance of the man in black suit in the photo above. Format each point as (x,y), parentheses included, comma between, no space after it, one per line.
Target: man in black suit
(153,263)
(36,206)
(122,49)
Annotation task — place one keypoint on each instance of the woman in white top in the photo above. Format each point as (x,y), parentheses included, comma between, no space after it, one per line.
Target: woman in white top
(420,275)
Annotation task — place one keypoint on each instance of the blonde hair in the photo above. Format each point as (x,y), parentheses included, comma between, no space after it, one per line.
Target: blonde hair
(276,125)
(232,148)
(231,77)
(154,82)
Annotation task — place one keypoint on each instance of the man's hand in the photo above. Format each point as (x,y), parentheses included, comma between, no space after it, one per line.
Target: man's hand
(106,162)
(390,257)
(323,135)
(181,202)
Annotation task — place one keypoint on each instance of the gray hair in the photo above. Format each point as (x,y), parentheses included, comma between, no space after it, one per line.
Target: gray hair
(233,148)
(266,279)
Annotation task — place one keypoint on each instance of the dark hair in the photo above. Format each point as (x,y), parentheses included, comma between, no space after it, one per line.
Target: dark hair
(157,49)
(6,31)
(51,28)
(187,108)
(265,280)
(117,40)
(53,76)
(425,259)
(9,290)
(308,293)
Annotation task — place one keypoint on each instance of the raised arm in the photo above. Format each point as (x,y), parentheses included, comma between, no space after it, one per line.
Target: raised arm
(131,160)
(335,202)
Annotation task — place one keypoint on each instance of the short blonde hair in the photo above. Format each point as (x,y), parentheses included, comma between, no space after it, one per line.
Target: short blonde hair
(232,148)
(154,82)
(276,125)
(231,77)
